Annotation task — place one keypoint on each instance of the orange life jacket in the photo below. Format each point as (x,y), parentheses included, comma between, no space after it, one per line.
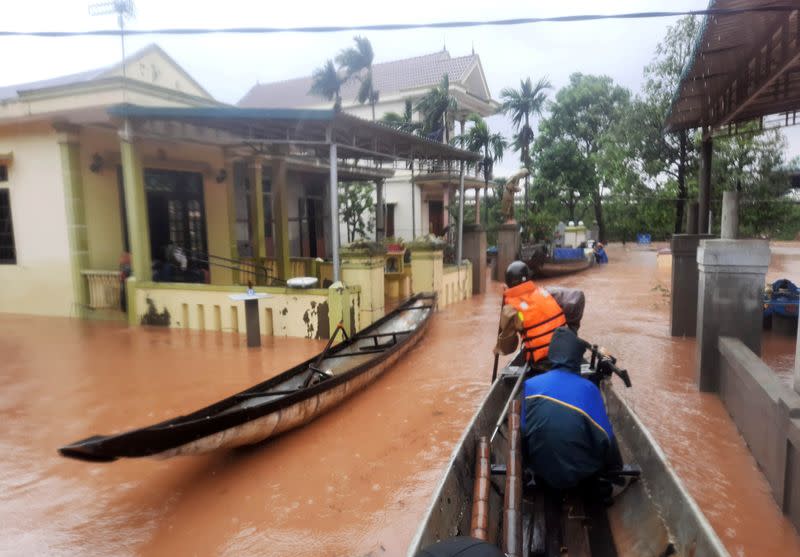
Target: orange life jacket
(540,315)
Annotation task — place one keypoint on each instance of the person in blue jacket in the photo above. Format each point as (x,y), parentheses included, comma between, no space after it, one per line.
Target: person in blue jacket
(600,255)
(568,437)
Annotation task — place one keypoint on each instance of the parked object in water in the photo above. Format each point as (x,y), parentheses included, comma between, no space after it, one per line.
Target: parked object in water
(781,299)
(543,266)
(291,399)
(653,516)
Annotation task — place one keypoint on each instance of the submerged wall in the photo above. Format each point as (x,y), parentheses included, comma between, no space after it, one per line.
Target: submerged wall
(286,312)
(767,413)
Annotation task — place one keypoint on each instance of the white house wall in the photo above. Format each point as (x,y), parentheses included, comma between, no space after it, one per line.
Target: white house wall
(40,281)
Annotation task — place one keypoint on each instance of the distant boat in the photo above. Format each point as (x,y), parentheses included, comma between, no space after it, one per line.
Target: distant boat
(542,266)
(291,399)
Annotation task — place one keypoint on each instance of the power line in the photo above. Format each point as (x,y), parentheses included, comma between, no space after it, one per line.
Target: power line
(406,26)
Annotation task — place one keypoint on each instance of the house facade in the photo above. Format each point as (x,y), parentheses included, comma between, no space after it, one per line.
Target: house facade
(138,168)
(416,202)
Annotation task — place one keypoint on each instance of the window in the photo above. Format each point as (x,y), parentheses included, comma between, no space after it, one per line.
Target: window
(3,173)
(8,253)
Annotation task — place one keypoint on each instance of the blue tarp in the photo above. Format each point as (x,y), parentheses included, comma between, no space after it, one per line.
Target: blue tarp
(643,239)
(568,254)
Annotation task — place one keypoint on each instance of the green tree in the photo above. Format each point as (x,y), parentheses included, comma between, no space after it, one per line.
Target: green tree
(327,83)
(584,112)
(754,166)
(671,156)
(563,173)
(480,139)
(437,108)
(403,122)
(356,209)
(357,63)
(520,104)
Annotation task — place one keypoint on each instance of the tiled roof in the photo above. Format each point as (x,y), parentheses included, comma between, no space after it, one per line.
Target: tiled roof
(390,77)
(11,91)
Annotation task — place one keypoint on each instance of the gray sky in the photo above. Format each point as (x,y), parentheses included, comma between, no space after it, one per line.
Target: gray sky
(228,65)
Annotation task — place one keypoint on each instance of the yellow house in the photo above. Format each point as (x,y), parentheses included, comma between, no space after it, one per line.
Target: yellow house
(98,169)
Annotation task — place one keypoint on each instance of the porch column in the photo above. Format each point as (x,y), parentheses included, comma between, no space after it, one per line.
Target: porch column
(333,192)
(233,233)
(460,252)
(446,206)
(380,227)
(478,206)
(256,176)
(77,232)
(280,216)
(136,206)
(704,195)
(413,203)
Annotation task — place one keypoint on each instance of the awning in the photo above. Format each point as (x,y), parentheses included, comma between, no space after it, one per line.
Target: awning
(744,66)
(307,131)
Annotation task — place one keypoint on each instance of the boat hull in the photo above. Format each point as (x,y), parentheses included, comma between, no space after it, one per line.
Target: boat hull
(289,400)
(650,515)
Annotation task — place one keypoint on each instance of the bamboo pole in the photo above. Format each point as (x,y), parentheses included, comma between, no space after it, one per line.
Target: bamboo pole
(480,495)
(512,504)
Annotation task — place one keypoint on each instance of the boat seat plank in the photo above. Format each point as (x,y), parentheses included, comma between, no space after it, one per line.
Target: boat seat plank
(576,535)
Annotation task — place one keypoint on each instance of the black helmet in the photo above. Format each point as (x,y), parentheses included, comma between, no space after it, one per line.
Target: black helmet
(517,273)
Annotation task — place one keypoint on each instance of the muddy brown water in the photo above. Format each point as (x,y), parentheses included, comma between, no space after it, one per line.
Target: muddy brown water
(356,481)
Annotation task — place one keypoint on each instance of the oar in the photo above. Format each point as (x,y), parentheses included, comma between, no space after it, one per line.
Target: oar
(499,330)
(511,397)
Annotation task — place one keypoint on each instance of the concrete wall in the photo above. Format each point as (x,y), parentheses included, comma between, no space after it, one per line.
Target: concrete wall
(39,283)
(767,413)
(204,307)
(456,284)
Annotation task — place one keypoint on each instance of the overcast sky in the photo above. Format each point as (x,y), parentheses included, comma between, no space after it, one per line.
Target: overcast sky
(228,65)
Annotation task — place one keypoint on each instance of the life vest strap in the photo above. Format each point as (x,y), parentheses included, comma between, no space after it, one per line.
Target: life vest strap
(556,316)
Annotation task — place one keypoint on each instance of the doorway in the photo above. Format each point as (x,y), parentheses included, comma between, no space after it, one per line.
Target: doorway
(176,212)
(435,217)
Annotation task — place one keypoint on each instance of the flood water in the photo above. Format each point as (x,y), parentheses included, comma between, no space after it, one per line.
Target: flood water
(356,481)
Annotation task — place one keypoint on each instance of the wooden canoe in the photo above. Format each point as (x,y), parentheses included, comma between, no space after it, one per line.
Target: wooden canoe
(291,399)
(654,516)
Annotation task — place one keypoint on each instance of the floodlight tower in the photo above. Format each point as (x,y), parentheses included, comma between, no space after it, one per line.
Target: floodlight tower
(124,9)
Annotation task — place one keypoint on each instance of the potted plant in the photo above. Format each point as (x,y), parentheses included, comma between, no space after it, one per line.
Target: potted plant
(394,244)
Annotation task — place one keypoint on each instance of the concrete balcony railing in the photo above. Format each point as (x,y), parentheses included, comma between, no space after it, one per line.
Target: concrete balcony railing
(104,289)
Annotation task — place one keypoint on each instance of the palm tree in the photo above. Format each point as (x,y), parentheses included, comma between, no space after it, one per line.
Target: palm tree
(479,139)
(521,105)
(357,63)
(327,83)
(403,122)
(437,108)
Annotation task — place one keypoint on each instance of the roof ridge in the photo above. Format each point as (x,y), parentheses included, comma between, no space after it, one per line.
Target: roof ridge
(410,58)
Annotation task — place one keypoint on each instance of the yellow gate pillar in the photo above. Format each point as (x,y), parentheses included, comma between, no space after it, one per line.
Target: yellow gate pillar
(280,216)
(365,267)
(77,233)
(427,269)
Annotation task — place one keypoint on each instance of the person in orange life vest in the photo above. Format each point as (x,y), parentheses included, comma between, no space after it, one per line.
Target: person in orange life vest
(533,313)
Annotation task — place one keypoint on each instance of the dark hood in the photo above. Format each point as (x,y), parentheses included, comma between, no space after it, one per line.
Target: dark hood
(566,350)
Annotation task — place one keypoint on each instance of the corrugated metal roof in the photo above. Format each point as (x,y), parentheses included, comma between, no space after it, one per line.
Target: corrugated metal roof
(744,66)
(390,77)
(356,137)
